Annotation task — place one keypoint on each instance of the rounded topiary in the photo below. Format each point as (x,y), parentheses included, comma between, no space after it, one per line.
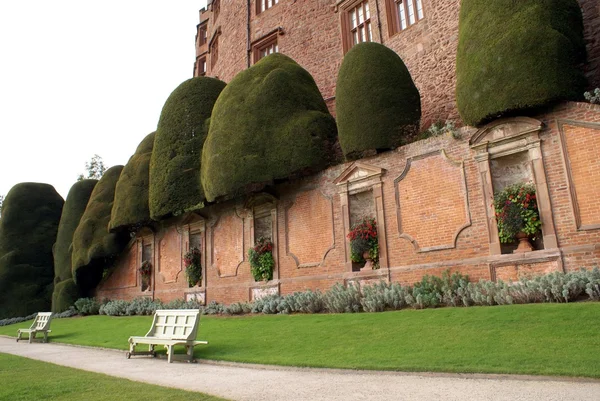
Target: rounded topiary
(94,247)
(64,295)
(175,163)
(378,106)
(30,217)
(517,55)
(130,208)
(75,205)
(270,123)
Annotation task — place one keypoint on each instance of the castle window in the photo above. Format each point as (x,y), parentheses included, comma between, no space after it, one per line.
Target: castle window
(214,51)
(263,5)
(265,46)
(202,35)
(403,13)
(356,24)
(201,66)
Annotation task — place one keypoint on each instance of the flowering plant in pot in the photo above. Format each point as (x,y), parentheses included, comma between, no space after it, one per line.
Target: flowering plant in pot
(261,259)
(193,266)
(146,268)
(364,245)
(517,212)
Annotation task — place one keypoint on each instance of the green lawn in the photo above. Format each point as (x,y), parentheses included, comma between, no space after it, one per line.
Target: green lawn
(26,379)
(546,339)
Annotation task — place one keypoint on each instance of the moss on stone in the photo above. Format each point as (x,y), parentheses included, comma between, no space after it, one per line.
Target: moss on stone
(175,163)
(30,217)
(378,105)
(270,123)
(130,208)
(94,247)
(516,56)
(75,205)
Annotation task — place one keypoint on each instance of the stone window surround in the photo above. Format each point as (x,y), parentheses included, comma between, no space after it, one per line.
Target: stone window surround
(346,6)
(505,137)
(393,17)
(198,226)
(263,5)
(203,33)
(141,241)
(201,62)
(264,42)
(213,47)
(350,183)
(262,205)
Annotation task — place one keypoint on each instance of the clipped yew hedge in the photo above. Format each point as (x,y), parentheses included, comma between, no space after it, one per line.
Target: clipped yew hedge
(75,205)
(94,247)
(175,163)
(378,106)
(515,56)
(270,123)
(30,217)
(130,208)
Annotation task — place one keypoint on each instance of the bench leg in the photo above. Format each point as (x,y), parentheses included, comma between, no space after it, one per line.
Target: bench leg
(18,335)
(170,353)
(45,336)
(132,347)
(190,352)
(31,336)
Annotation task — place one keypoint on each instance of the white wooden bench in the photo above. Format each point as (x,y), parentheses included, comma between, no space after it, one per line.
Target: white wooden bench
(170,328)
(41,324)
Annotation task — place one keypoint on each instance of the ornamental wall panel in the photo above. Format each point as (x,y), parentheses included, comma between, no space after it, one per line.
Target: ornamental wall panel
(125,273)
(432,203)
(581,145)
(228,244)
(310,228)
(169,255)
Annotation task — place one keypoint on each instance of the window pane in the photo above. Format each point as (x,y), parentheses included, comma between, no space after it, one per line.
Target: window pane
(402,14)
(361,17)
(370,38)
(356,37)
(353,18)
(362,34)
(367,10)
(411,12)
(420,9)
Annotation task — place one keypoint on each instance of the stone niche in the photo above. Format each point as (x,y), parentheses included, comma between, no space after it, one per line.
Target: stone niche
(509,151)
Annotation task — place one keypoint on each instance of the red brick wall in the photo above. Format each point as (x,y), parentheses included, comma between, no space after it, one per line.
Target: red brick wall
(312,35)
(311,235)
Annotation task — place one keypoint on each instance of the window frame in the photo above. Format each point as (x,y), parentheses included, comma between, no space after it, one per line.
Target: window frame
(203,39)
(270,39)
(213,48)
(346,22)
(259,5)
(197,71)
(393,15)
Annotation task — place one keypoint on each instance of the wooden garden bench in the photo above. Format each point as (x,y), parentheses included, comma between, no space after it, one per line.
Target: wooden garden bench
(41,324)
(170,328)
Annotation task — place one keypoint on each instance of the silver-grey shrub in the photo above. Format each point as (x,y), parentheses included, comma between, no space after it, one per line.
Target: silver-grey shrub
(303,302)
(143,306)
(87,306)
(343,299)
(383,296)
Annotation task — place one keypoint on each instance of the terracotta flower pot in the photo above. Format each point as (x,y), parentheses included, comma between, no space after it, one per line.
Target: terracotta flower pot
(524,244)
(369,262)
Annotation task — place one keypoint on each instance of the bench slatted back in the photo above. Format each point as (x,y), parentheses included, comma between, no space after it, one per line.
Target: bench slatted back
(180,324)
(41,321)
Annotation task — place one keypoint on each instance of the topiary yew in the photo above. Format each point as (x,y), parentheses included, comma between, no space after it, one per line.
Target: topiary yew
(75,205)
(94,247)
(130,208)
(514,56)
(175,163)
(270,123)
(378,105)
(30,217)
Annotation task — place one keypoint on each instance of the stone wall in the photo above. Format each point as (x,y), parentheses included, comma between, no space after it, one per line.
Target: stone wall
(311,34)
(432,202)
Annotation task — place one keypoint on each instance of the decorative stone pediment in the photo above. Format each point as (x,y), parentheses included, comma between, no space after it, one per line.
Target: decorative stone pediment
(194,221)
(259,200)
(359,175)
(506,136)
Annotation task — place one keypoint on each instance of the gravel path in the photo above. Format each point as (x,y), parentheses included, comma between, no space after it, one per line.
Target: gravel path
(258,382)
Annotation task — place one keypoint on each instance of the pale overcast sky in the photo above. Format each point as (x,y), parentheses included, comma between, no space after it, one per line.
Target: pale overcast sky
(79,77)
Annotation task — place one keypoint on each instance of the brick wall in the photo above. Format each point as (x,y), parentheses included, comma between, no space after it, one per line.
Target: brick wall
(312,35)
(440,204)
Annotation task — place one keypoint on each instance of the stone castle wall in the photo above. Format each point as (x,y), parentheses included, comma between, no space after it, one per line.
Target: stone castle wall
(432,203)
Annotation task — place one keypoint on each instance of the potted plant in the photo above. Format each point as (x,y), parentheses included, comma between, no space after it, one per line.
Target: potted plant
(261,259)
(517,215)
(364,245)
(145,269)
(193,266)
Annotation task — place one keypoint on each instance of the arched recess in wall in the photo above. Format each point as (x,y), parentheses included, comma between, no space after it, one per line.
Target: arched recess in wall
(363,182)
(517,139)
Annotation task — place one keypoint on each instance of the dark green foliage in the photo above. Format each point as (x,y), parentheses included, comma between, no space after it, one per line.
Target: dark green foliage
(377,103)
(94,247)
(75,205)
(28,227)
(130,209)
(64,296)
(517,55)
(175,164)
(270,123)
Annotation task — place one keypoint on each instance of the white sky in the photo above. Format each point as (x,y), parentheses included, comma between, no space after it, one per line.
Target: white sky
(79,77)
